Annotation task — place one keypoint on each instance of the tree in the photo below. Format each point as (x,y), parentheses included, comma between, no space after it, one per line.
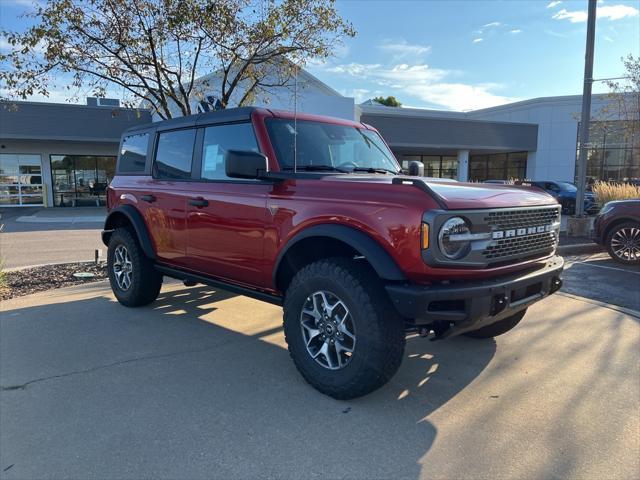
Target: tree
(389,101)
(155,50)
(623,103)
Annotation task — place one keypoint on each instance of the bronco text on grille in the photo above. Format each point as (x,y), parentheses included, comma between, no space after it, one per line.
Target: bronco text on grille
(522,231)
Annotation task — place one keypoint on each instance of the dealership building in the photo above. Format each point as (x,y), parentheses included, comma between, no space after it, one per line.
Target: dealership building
(64,155)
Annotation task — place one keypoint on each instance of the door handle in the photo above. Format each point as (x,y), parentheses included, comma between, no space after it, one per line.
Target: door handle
(199,202)
(148,198)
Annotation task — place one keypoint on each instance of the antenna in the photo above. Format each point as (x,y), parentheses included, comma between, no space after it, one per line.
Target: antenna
(295,119)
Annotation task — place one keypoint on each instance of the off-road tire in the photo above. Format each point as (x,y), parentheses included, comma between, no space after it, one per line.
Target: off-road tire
(498,328)
(380,333)
(608,240)
(145,279)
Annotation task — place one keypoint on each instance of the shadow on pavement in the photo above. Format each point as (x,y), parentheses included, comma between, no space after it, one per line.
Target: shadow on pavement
(199,384)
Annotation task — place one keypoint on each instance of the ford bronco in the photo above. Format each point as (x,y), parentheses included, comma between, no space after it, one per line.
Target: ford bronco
(314,214)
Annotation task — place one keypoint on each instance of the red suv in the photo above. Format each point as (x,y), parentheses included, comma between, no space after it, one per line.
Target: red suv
(313,213)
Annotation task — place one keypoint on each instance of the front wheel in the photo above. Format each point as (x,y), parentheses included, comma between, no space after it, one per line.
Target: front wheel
(498,328)
(134,280)
(342,332)
(623,243)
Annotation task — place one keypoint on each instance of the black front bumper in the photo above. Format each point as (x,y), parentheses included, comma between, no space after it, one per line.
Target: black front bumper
(468,306)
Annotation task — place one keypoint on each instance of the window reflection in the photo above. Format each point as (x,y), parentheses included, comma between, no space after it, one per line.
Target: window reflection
(81,179)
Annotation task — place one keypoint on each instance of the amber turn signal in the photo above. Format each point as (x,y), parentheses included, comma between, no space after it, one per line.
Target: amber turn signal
(425,236)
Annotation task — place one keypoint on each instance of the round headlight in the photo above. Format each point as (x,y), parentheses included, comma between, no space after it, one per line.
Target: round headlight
(450,246)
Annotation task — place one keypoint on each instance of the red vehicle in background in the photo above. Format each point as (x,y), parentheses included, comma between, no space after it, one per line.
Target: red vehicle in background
(313,213)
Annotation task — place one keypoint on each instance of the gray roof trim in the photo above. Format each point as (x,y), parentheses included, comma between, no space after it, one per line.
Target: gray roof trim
(454,133)
(67,122)
(54,138)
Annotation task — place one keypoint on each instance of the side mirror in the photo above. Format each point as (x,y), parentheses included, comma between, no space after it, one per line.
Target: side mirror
(245,164)
(416,169)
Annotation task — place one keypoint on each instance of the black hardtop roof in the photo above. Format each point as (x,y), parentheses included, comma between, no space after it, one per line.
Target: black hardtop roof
(220,116)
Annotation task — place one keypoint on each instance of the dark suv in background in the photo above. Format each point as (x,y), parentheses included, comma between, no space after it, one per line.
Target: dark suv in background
(565,193)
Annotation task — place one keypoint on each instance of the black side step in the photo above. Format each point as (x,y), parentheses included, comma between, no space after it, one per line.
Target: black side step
(214,282)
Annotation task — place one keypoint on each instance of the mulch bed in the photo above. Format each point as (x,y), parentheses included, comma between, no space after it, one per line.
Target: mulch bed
(38,279)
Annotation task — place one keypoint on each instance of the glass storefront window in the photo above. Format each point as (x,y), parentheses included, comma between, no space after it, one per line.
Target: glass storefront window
(498,166)
(614,151)
(20,180)
(81,179)
(437,166)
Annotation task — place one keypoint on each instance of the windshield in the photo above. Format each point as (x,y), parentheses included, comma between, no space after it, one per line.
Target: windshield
(328,146)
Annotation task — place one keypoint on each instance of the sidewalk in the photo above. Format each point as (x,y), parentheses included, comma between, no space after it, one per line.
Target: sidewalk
(65,215)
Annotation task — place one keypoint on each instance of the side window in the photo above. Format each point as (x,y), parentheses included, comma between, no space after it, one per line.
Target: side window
(174,155)
(133,155)
(217,140)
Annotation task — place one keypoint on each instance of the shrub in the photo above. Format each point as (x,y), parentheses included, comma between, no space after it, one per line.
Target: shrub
(608,191)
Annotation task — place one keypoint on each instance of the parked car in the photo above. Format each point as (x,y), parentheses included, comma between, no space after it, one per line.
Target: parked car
(617,228)
(311,213)
(566,193)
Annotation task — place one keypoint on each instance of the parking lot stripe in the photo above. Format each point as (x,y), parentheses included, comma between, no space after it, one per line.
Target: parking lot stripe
(626,311)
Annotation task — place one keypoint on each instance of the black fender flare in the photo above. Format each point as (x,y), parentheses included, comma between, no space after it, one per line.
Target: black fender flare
(139,226)
(384,265)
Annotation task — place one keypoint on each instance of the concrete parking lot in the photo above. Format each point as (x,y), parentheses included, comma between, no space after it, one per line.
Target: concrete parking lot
(199,385)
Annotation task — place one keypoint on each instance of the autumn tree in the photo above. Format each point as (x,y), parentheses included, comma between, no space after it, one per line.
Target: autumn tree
(388,102)
(154,51)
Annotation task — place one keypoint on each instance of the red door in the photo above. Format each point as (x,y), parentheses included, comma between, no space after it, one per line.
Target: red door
(226,218)
(226,224)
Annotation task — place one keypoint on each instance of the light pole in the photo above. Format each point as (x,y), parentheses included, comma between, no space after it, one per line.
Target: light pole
(586,108)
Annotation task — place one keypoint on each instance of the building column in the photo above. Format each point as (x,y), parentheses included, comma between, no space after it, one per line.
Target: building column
(463,165)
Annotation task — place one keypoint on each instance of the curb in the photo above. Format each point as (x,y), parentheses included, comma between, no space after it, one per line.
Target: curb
(18,269)
(579,248)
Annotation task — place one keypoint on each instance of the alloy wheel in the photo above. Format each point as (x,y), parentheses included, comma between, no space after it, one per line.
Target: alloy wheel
(122,267)
(625,244)
(328,330)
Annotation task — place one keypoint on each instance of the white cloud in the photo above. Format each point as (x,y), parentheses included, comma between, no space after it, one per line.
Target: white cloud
(515,31)
(458,96)
(607,38)
(553,4)
(574,17)
(610,12)
(421,82)
(477,40)
(492,24)
(403,49)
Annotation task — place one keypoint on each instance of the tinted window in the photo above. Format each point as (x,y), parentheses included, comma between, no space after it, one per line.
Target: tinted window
(174,155)
(219,139)
(133,154)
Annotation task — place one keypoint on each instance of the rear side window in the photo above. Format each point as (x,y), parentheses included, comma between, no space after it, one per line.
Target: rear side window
(133,154)
(219,139)
(174,155)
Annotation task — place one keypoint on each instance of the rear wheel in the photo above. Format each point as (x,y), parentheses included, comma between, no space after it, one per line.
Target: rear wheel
(498,328)
(343,335)
(623,243)
(133,278)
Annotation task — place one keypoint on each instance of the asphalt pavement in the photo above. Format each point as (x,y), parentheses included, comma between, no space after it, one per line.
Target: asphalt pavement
(199,385)
(37,236)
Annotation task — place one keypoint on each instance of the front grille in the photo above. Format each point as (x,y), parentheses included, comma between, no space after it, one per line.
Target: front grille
(507,247)
(521,245)
(522,218)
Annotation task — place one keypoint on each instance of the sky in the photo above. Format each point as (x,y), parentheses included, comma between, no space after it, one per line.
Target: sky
(464,54)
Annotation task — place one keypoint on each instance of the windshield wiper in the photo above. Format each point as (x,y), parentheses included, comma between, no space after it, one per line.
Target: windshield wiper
(374,170)
(317,168)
